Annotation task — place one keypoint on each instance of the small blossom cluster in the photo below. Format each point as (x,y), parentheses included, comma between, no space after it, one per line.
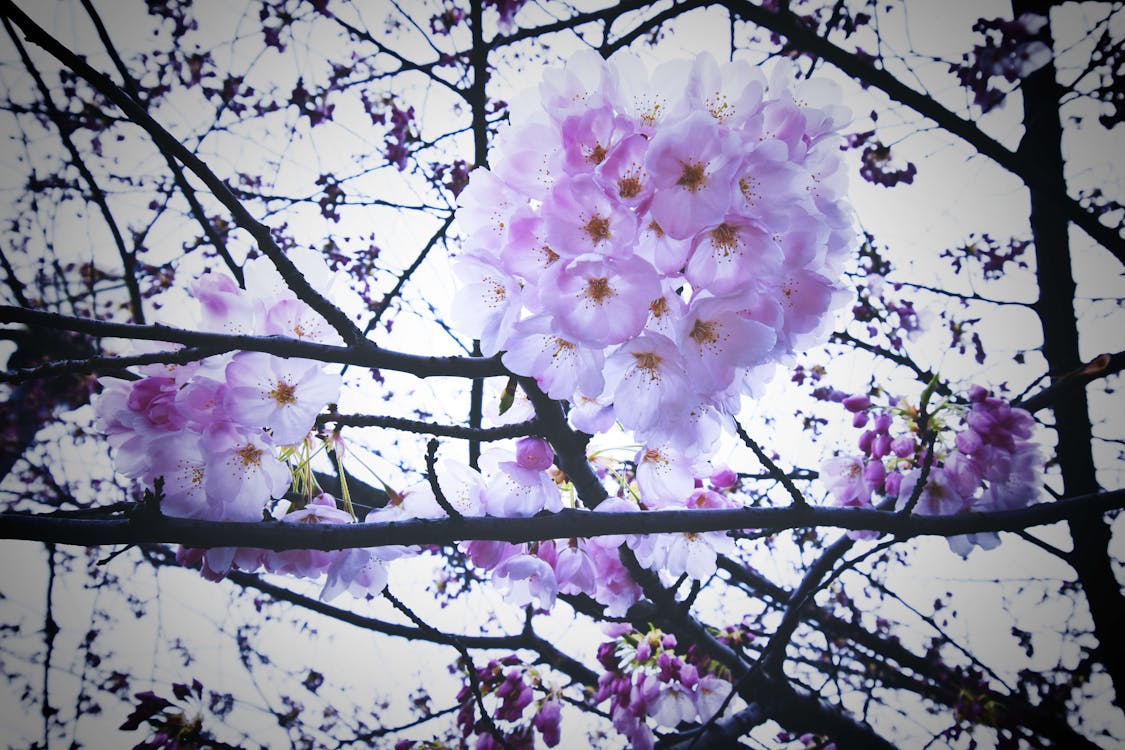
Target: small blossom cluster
(513,687)
(982,460)
(645,679)
(361,572)
(224,435)
(644,246)
(521,485)
(527,483)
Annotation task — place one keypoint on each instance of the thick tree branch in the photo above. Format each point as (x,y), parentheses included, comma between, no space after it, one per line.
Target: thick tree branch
(142,528)
(483,434)
(362,353)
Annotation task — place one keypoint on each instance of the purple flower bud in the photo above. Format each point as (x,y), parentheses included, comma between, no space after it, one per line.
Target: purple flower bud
(865,440)
(968,441)
(875,473)
(892,484)
(859,419)
(903,446)
(882,422)
(534,453)
(644,651)
(724,479)
(977,394)
(881,446)
(856,403)
(547,722)
(668,641)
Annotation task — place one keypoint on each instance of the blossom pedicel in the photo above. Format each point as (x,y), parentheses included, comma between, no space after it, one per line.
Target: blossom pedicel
(654,242)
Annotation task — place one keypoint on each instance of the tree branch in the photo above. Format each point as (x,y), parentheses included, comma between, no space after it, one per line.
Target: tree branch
(362,353)
(275,535)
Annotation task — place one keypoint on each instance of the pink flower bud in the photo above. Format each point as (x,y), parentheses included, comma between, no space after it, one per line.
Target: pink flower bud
(865,440)
(534,453)
(881,445)
(968,441)
(903,446)
(892,484)
(724,479)
(875,473)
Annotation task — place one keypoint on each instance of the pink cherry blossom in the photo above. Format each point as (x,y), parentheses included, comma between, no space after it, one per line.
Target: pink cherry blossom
(716,340)
(294,318)
(729,256)
(488,304)
(623,175)
(225,307)
(281,395)
(588,136)
(664,475)
(526,577)
(178,458)
(648,380)
(513,490)
(692,164)
(560,364)
(241,473)
(581,218)
(360,572)
(601,301)
(574,570)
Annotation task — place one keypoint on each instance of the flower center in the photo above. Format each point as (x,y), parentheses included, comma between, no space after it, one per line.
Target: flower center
(629,187)
(725,237)
(648,361)
(596,154)
(703,332)
(598,289)
(597,228)
(562,346)
(693,177)
(659,307)
(283,394)
(249,454)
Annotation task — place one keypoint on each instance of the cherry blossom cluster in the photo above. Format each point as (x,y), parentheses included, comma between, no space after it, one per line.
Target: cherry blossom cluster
(227,436)
(525,482)
(646,679)
(645,246)
(513,687)
(983,459)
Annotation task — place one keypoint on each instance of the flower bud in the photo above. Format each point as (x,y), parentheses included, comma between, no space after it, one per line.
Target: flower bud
(881,446)
(534,453)
(903,446)
(724,479)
